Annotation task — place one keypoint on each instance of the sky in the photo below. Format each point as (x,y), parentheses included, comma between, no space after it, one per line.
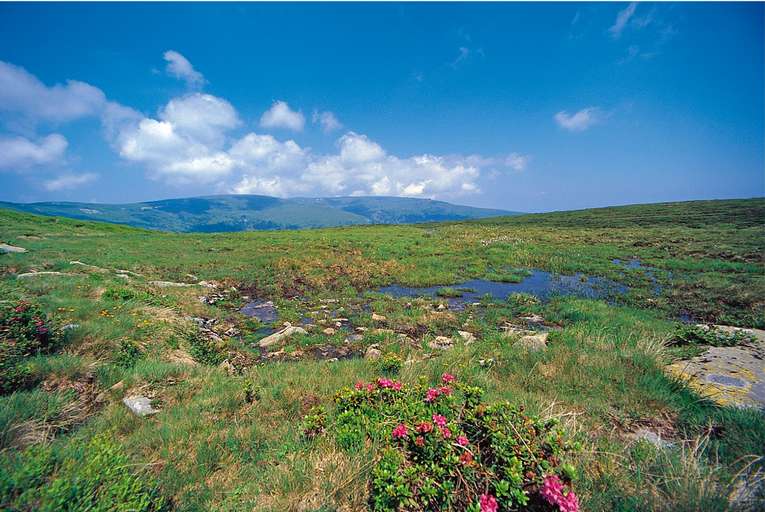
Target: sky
(521,106)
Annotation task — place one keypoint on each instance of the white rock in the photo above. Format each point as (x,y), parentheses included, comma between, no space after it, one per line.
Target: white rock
(373,352)
(38,274)
(139,405)
(441,343)
(534,342)
(6,249)
(468,337)
(280,335)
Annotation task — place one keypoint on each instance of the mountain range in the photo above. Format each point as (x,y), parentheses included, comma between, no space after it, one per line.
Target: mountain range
(226,213)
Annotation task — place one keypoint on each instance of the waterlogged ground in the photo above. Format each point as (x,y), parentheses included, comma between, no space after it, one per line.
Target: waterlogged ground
(569,315)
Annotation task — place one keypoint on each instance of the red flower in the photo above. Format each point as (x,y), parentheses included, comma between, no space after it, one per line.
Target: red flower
(400,431)
(488,503)
(359,385)
(466,458)
(432,394)
(445,432)
(445,390)
(447,378)
(439,420)
(425,427)
(419,441)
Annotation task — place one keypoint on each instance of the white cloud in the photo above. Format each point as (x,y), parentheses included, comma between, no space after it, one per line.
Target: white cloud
(622,18)
(327,120)
(201,117)
(517,161)
(281,116)
(20,153)
(180,67)
(69,181)
(579,121)
(22,94)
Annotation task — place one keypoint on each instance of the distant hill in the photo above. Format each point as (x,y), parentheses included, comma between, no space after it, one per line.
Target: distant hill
(251,212)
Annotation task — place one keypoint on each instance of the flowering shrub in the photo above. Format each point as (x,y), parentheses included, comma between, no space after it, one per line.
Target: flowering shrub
(443,448)
(23,333)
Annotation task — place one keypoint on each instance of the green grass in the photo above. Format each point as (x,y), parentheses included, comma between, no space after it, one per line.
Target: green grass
(217,444)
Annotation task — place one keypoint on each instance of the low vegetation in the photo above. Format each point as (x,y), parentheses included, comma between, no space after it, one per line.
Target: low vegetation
(309,423)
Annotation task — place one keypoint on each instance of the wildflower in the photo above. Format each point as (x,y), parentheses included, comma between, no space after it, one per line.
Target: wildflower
(359,385)
(552,492)
(488,503)
(439,420)
(446,378)
(396,386)
(385,383)
(432,394)
(466,458)
(462,441)
(419,441)
(400,431)
(445,390)
(445,432)
(370,387)
(425,427)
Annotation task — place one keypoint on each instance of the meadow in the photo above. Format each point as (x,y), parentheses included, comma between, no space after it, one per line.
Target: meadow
(137,312)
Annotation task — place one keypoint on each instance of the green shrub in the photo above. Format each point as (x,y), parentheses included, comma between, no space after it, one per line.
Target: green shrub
(390,364)
(96,477)
(23,333)
(203,349)
(697,335)
(444,449)
(129,354)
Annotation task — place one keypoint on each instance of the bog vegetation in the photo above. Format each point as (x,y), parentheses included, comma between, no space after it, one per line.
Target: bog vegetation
(377,402)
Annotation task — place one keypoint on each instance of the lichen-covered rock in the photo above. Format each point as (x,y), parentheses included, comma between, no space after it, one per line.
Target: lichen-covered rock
(534,342)
(139,405)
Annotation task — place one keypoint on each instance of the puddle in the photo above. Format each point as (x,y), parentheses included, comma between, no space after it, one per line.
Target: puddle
(542,284)
(263,310)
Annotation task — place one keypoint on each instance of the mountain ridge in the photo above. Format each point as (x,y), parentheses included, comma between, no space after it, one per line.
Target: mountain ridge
(244,212)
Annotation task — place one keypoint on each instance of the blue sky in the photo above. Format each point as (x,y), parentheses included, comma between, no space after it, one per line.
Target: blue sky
(530,107)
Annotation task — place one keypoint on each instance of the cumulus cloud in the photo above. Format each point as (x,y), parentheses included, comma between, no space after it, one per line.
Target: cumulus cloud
(327,120)
(20,153)
(180,67)
(22,94)
(517,161)
(281,116)
(579,121)
(622,18)
(69,181)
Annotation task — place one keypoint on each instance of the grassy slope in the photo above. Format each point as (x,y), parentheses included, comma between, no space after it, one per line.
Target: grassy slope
(211,449)
(250,212)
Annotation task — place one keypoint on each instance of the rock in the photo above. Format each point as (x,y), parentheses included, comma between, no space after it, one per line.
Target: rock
(361,329)
(37,274)
(486,363)
(378,318)
(533,319)
(288,331)
(354,338)
(228,367)
(440,307)
(534,342)
(123,276)
(70,327)
(139,405)
(651,437)
(467,337)
(7,249)
(207,284)
(181,357)
(441,343)
(732,376)
(329,331)
(128,272)
(169,284)
(231,332)
(403,338)
(373,352)
(92,268)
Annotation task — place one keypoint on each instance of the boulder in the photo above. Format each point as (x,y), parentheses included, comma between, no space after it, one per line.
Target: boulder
(354,338)
(285,333)
(534,342)
(139,405)
(467,337)
(441,343)
(329,331)
(373,352)
(7,249)
(378,318)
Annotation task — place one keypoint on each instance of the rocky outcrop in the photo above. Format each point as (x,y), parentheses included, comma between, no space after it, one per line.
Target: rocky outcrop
(9,249)
(285,333)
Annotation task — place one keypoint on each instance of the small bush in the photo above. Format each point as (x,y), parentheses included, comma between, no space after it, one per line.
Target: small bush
(129,354)
(96,477)
(203,349)
(23,333)
(390,364)
(444,449)
(697,335)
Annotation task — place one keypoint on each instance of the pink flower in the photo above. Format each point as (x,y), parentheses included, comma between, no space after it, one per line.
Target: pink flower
(396,386)
(552,492)
(462,441)
(445,390)
(419,441)
(359,385)
(488,503)
(425,427)
(432,394)
(370,387)
(446,432)
(439,420)
(446,378)
(400,431)
(385,383)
